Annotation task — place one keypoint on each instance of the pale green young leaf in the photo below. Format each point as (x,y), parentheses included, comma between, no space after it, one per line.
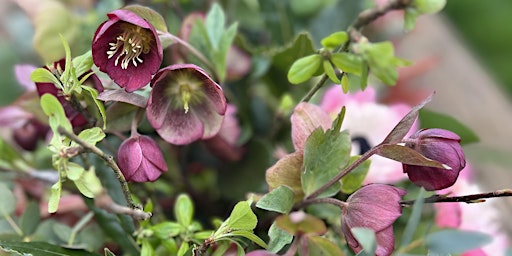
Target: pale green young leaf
(364,76)
(82,63)
(429,6)
(242,217)
(167,229)
(54,110)
(92,135)
(43,75)
(348,62)
(410,16)
(92,94)
(334,40)
(345,83)
(146,248)
(183,248)
(304,68)
(88,184)
(329,71)
(68,65)
(74,171)
(53,201)
(278,200)
(184,210)
(8,202)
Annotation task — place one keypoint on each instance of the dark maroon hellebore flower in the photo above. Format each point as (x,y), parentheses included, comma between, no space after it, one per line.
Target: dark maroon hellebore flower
(439,145)
(75,117)
(127,48)
(185,104)
(140,159)
(376,207)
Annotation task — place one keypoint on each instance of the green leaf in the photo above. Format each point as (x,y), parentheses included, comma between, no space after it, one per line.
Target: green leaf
(304,68)
(150,15)
(410,16)
(74,171)
(146,249)
(83,63)
(456,241)
(434,119)
(62,231)
(8,202)
(92,135)
(277,200)
(8,155)
(301,223)
(221,54)
(348,63)
(414,219)
(408,155)
(93,95)
(278,238)
(43,75)
(242,217)
(183,248)
(345,83)
(215,22)
(167,229)
(381,60)
(108,252)
(184,210)
(318,245)
(53,201)
(41,249)
(352,181)
(67,73)
(364,75)
(30,219)
(334,40)
(249,235)
(329,71)
(366,237)
(287,171)
(88,184)
(429,6)
(324,154)
(54,110)
(302,46)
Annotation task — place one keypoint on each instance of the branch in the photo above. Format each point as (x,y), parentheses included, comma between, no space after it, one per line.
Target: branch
(363,19)
(474,198)
(108,159)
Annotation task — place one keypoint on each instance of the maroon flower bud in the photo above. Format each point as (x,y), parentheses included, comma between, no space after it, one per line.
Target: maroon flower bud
(30,134)
(376,207)
(127,48)
(140,159)
(185,104)
(439,145)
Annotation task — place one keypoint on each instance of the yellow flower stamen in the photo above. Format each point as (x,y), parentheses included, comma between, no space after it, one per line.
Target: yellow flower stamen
(133,42)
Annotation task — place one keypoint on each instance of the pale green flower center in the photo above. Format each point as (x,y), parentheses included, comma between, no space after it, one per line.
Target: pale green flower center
(185,90)
(133,42)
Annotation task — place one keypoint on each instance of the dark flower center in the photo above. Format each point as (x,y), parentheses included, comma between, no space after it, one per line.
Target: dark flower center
(130,44)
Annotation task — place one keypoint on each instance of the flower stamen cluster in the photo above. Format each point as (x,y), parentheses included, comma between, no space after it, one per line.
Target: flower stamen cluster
(133,42)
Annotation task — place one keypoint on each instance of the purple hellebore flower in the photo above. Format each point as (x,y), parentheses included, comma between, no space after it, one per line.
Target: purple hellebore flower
(185,104)
(127,48)
(439,145)
(140,159)
(76,118)
(376,207)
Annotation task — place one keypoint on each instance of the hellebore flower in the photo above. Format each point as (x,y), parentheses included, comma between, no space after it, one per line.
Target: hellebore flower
(376,207)
(185,104)
(76,118)
(439,145)
(127,48)
(140,159)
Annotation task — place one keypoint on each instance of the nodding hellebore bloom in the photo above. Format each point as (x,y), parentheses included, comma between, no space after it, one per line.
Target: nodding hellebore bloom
(439,145)
(74,114)
(376,207)
(185,104)
(127,48)
(140,159)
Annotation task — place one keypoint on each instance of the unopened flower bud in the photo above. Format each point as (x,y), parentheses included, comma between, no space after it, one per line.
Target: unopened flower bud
(140,159)
(439,145)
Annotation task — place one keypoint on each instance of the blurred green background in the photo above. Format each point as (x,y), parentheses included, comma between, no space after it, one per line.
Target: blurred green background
(483,25)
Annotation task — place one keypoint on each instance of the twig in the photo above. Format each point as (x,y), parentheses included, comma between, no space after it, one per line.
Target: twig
(474,198)
(326,200)
(108,159)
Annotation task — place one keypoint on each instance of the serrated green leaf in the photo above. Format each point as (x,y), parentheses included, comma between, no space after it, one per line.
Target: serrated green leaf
(93,95)
(456,241)
(334,40)
(278,200)
(74,171)
(53,201)
(82,63)
(41,249)
(324,154)
(30,219)
(92,135)
(318,245)
(348,62)
(43,75)
(8,202)
(242,217)
(304,68)
(366,237)
(278,238)
(434,119)
(184,210)
(215,22)
(150,15)
(329,71)
(353,180)
(88,184)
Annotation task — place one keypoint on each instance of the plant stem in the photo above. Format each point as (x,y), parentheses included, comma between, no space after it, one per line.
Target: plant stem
(474,198)
(108,159)
(327,200)
(347,170)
